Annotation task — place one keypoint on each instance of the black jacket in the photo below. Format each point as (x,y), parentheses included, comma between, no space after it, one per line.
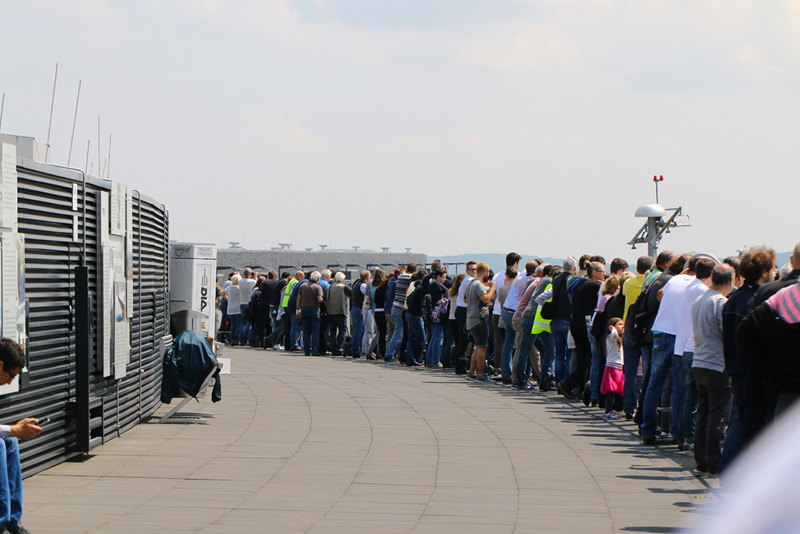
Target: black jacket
(767,290)
(733,312)
(561,303)
(772,347)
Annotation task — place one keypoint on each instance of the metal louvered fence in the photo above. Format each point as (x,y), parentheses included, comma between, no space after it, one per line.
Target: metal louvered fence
(58,374)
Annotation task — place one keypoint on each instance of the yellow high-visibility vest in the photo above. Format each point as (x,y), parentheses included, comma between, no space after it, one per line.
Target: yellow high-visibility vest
(287,293)
(541,324)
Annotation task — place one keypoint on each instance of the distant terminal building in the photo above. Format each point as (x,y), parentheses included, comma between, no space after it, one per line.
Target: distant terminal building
(351,262)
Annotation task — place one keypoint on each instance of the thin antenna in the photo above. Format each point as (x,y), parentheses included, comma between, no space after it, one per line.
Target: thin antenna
(103,172)
(108,169)
(91,169)
(74,120)
(50,123)
(656,180)
(98,143)
(88,144)
(2,106)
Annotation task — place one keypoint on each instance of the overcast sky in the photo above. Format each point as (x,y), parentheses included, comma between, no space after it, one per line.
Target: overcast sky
(447,126)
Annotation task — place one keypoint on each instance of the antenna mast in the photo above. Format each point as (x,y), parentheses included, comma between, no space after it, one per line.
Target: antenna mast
(657,180)
(74,120)
(50,122)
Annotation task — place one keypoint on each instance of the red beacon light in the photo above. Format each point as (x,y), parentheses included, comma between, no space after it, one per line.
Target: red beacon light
(658,178)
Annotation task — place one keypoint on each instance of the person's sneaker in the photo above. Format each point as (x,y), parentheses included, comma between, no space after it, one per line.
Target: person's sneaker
(613,416)
(16,529)
(437,366)
(413,363)
(470,376)
(483,380)
(529,387)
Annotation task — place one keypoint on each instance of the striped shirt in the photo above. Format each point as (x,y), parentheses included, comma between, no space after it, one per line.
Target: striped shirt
(403,282)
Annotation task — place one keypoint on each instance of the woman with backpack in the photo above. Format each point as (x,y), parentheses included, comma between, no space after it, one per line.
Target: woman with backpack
(439,310)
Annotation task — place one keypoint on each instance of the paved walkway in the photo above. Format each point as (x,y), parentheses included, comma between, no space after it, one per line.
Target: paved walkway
(325,445)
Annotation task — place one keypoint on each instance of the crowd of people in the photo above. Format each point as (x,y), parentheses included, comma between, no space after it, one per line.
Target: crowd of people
(698,353)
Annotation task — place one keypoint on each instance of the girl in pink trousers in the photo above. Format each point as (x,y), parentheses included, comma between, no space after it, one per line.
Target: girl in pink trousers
(613,385)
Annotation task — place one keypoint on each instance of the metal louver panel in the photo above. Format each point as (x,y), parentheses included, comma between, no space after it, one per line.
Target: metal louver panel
(45,216)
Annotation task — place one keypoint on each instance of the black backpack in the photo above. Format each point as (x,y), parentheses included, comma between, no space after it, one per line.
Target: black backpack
(639,321)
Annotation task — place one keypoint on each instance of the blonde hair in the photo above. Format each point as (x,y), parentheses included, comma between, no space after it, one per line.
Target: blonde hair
(235,279)
(627,275)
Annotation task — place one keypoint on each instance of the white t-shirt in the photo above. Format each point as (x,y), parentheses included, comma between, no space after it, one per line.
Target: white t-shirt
(499,279)
(667,319)
(461,298)
(684,341)
(614,356)
(246,286)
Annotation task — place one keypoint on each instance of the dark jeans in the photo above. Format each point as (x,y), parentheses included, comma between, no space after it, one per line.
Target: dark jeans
(286,321)
(416,337)
(543,342)
(236,327)
(689,406)
(559,329)
(294,331)
(401,350)
(358,331)
(583,354)
(676,400)
(380,323)
(660,365)
(309,318)
(223,307)
(338,332)
(447,344)
(263,326)
(713,402)
(734,436)
(459,358)
(496,354)
(632,357)
(324,326)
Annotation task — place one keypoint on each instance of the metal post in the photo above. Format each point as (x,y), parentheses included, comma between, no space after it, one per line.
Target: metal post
(652,233)
(82,363)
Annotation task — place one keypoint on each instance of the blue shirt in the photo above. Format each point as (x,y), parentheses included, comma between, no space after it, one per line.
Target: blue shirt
(324,285)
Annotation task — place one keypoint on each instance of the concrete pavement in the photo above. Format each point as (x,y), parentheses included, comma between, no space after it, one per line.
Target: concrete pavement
(326,445)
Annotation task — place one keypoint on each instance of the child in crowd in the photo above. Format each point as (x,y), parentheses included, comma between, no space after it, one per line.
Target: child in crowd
(613,385)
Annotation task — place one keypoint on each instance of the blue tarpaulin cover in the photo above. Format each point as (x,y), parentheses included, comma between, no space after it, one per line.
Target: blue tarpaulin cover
(186,365)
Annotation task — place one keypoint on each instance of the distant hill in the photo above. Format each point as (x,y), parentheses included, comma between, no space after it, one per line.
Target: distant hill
(497,262)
